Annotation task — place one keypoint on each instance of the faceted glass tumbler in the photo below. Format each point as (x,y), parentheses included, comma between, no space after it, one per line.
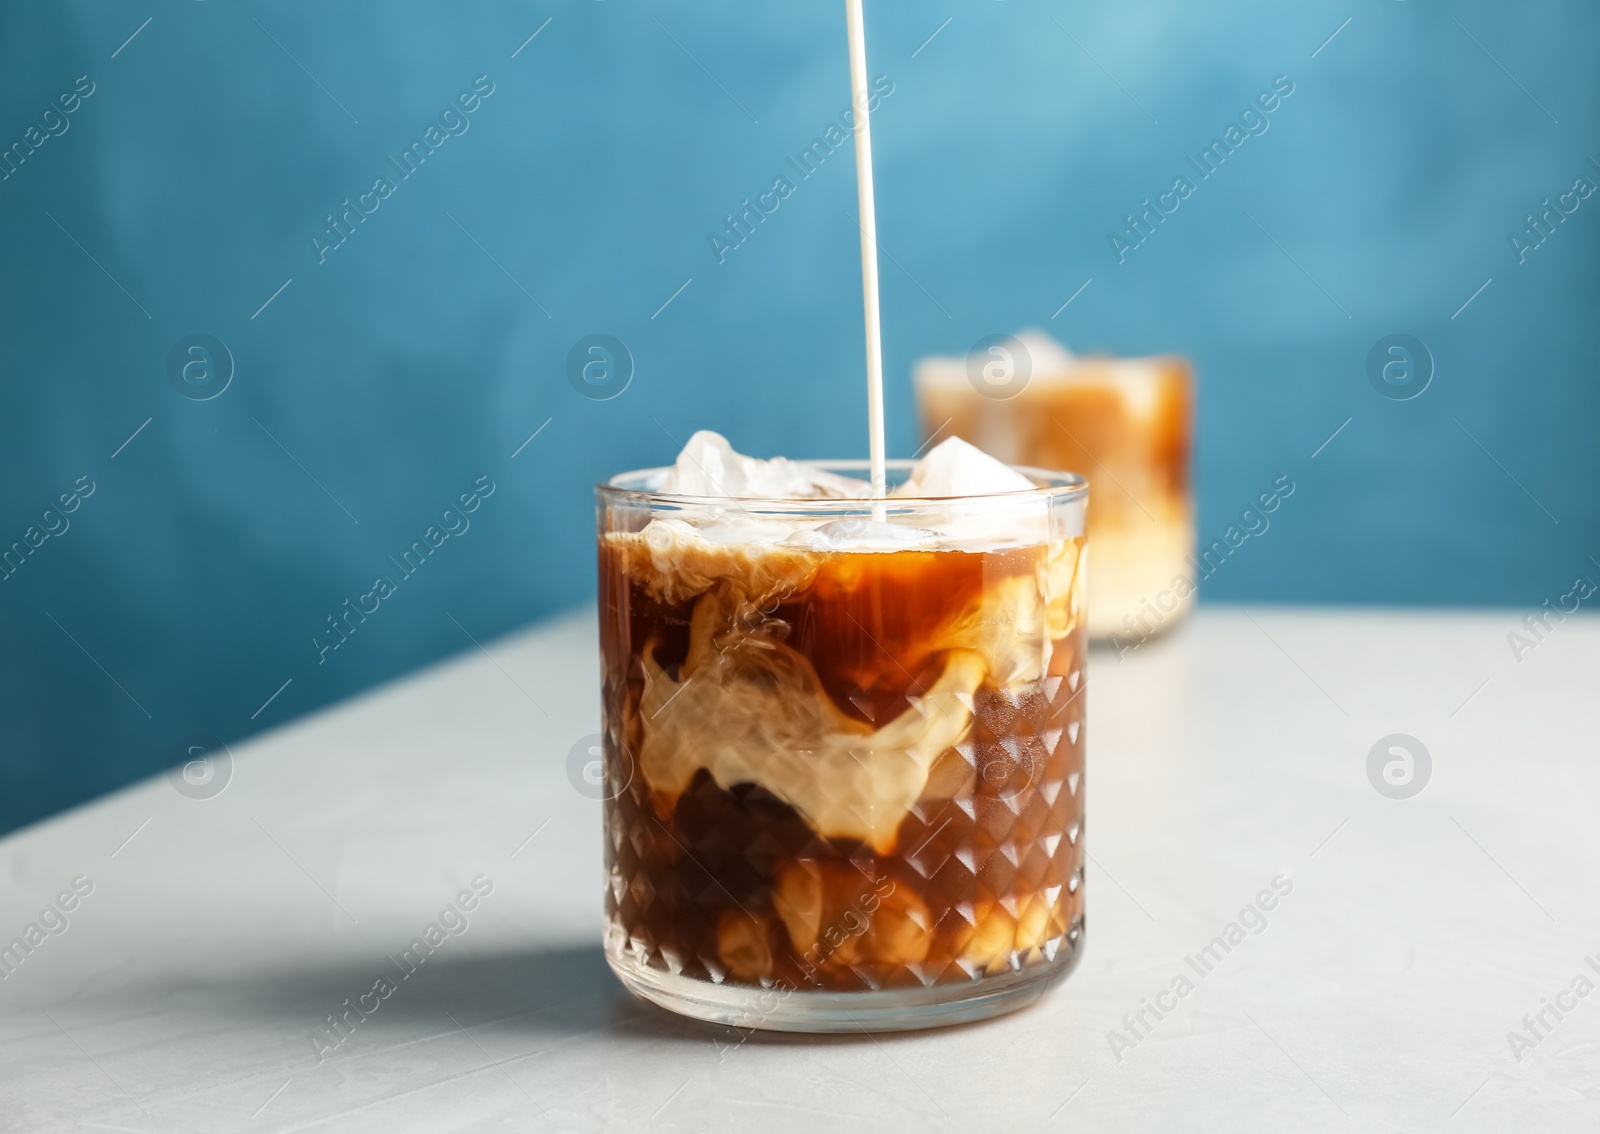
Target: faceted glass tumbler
(843,751)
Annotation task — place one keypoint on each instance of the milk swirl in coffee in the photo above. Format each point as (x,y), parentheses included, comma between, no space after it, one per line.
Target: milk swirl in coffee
(850,751)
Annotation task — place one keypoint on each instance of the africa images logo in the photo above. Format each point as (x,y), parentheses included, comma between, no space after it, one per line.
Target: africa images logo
(740,225)
(586,768)
(453,121)
(200,367)
(599,367)
(1399,766)
(1399,367)
(453,523)
(1254,120)
(999,366)
(203,768)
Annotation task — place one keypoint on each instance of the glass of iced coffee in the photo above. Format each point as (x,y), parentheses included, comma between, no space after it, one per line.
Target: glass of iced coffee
(843,738)
(1124,423)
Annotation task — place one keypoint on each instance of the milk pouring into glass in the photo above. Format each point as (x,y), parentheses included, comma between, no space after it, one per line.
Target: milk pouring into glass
(843,723)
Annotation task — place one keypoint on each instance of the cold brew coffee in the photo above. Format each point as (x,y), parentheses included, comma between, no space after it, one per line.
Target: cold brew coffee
(843,738)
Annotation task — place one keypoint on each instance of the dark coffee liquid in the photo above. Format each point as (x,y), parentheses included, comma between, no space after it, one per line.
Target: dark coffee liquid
(979,872)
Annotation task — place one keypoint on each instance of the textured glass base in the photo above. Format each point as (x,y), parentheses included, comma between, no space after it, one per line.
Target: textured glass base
(887,1010)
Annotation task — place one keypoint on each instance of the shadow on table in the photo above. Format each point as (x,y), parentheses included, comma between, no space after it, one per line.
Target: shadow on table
(558,993)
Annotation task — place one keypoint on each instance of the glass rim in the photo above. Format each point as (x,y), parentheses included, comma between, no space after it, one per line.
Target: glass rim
(1066,486)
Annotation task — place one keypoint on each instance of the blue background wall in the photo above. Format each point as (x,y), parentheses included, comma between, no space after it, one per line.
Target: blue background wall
(378,385)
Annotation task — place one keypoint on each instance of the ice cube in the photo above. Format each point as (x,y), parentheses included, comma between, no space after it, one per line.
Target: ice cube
(955,468)
(709,466)
(1045,358)
(1046,355)
(860,535)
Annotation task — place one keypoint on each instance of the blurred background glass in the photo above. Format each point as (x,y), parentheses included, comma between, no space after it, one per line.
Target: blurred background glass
(261,350)
(1127,424)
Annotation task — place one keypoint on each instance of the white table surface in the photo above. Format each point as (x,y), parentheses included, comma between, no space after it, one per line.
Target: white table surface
(185,991)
